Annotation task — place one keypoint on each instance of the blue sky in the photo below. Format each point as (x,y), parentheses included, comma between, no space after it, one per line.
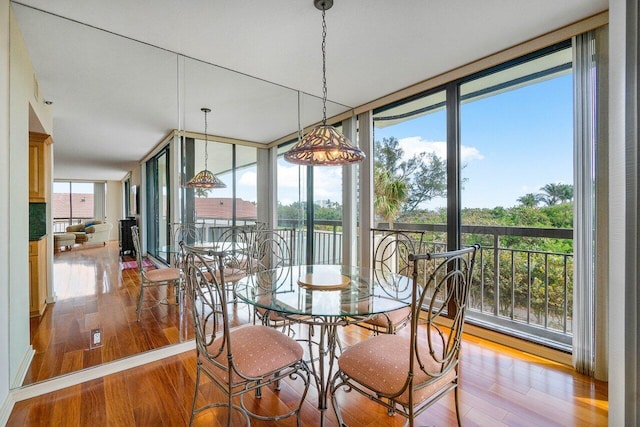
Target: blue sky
(512,143)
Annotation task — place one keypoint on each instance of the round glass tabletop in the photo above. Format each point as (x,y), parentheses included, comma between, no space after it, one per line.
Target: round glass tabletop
(326,290)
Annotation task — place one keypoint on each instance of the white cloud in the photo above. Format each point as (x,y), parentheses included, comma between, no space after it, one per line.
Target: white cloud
(327,183)
(248,178)
(288,176)
(415,145)
(469,154)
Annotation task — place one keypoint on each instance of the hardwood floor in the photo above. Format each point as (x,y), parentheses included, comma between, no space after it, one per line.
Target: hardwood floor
(499,386)
(93,291)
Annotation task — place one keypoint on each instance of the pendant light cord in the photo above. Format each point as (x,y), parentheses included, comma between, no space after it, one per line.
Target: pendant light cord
(324,69)
(206,142)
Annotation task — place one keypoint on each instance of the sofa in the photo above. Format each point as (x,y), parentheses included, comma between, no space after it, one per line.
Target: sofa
(92,231)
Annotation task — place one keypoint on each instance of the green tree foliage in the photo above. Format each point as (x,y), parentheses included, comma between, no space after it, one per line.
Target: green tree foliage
(530,200)
(201,192)
(425,174)
(555,193)
(390,192)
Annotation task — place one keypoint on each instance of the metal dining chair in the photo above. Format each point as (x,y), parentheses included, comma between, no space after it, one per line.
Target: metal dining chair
(269,250)
(236,360)
(408,373)
(234,242)
(391,252)
(156,278)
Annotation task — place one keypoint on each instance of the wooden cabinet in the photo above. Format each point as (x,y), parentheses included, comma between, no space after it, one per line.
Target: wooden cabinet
(37,276)
(39,174)
(126,238)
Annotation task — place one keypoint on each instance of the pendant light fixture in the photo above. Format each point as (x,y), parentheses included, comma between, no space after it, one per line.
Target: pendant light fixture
(324,145)
(205,178)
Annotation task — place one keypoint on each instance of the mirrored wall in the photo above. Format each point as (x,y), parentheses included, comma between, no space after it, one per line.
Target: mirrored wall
(156,93)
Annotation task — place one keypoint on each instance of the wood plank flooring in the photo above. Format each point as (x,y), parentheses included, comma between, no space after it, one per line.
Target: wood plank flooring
(499,386)
(94,291)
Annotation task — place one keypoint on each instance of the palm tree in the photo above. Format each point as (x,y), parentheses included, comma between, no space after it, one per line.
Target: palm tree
(530,200)
(201,192)
(557,193)
(390,192)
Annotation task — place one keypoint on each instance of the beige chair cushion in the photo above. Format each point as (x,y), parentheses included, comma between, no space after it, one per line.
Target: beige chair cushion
(162,274)
(396,316)
(230,275)
(257,351)
(381,363)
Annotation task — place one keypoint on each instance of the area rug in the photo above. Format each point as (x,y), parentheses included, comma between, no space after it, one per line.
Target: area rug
(133,264)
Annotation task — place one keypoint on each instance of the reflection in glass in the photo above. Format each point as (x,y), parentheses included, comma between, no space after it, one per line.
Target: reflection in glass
(327,213)
(73,203)
(235,205)
(292,200)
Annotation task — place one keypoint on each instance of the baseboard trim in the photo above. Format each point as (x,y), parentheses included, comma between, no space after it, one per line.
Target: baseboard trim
(6,408)
(24,367)
(105,369)
(515,343)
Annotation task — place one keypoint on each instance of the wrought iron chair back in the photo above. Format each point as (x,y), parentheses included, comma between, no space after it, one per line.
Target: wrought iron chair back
(391,252)
(413,372)
(204,271)
(154,278)
(202,285)
(191,233)
(271,249)
(392,249)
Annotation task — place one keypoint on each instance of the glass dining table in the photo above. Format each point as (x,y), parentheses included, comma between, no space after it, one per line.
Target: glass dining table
(222,246)
(325,297)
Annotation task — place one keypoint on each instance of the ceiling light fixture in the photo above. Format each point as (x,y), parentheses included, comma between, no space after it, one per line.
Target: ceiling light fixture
(205,178)
(324,145)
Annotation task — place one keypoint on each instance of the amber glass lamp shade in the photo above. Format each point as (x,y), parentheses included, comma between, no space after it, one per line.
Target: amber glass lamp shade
(205,179)
(324,146)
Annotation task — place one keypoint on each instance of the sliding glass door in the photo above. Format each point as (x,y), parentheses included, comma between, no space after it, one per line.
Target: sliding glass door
(158,204)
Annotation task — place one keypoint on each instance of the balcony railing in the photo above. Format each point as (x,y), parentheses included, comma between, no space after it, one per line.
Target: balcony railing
(519,290)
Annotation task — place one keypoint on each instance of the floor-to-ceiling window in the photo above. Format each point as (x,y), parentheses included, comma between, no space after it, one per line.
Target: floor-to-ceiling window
(327,213)
(291,197)
(236,204)
(410,167)
(516,127)
(489,159)
(158,204)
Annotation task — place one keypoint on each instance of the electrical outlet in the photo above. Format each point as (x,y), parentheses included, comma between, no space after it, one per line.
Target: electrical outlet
(95,338)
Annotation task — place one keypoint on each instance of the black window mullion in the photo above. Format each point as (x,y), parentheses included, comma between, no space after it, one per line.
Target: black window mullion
(310,221)
(454,222)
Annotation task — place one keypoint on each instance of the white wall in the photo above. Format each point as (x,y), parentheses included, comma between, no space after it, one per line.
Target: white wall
(22,94)
(114,207)
(4,210)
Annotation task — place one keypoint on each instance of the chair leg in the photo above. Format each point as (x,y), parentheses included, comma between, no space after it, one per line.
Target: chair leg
(456,397)
(391,411)
(195,395)
(139,309)
(176,291)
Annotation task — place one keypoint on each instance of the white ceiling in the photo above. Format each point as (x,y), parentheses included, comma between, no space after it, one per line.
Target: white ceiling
(114,98)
